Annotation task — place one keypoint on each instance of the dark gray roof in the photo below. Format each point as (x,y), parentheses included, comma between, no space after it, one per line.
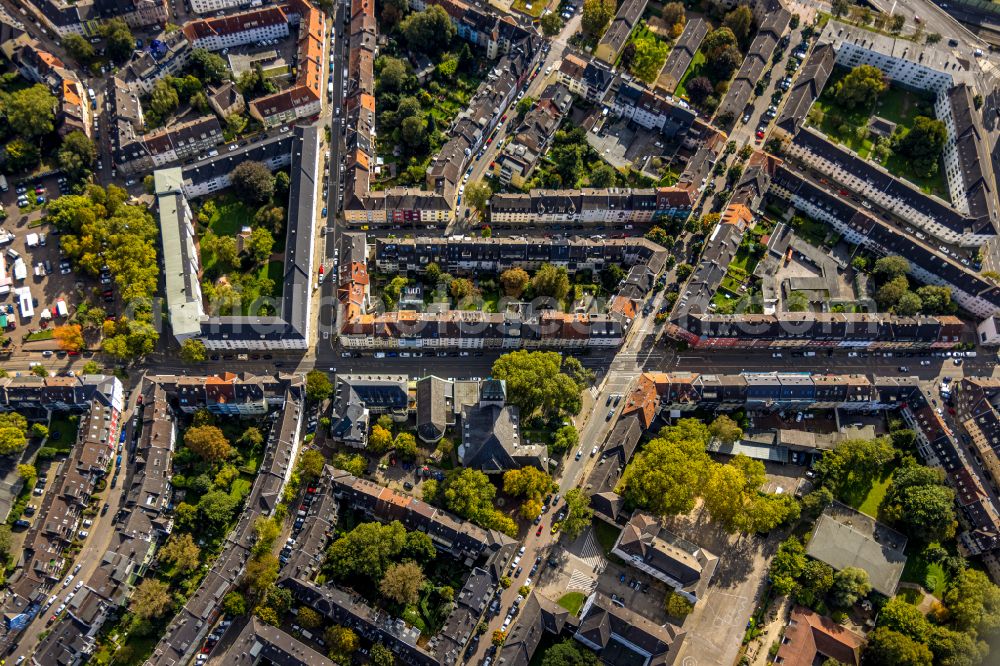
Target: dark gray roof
(807,88)
(844,538)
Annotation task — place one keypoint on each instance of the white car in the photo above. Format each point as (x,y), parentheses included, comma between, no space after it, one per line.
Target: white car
(69,579)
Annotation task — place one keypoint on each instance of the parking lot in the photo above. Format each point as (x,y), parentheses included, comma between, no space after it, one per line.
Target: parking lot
(31,259)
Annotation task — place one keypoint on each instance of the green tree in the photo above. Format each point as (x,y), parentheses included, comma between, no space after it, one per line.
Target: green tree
(252,181)
(855,462)
(787,565)
(603,175)
(369,549)
(861,88)
(849,585)
(120,42)
(79,49)
(552,24)
(342,643)
(725,429)
(649,58)
(382,656)
(677,605)
(892,648)
(461,288)
(890,293)
(394,74)
(514,281)
(406,446)
(402,582)
(310,465)
(260,245)
(163,100)
(27,472)
(956,648)
(21,155)
(579,515)
(429,31)
(597,14)
(76,155)
(477,195)
(151,599)
(565,439)
(908,305)
(216,507)
(212,67)
(419,547)
(922,145)
(900,615)
(318,386)
(31,112)
(816,580)
(918,500)
(973,602)
(568,653)
(551,281)
(935,300)
(209,442)
(890,267)
(413,130)
(234,604)
(193,351)
(13,427)
(534,382)
(740,21)
(181,551)
(380,440)
(668,473)
(526,482)
(309,618)
(355,464)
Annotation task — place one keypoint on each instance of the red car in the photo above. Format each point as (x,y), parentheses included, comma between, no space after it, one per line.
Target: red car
(538,532)
(760,134)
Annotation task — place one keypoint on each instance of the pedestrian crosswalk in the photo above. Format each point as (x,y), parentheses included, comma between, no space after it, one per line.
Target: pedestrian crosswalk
(581,581)
(589,551)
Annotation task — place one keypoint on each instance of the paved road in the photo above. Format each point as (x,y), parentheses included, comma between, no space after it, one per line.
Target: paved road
(96,545)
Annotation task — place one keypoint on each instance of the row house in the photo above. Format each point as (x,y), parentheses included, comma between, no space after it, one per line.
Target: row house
(634,102)
(493,33)
(617,33)
(590,206)
(459,538)
(194,138)
(304,99)
(228,31)
(84,17)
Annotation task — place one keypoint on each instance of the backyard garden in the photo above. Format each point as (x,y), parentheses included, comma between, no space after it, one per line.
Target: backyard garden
(241,271)
(845,113)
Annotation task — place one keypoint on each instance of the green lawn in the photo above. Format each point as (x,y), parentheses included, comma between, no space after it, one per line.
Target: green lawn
(39,335)
(693,70)
(930,575)
(874,497)
(572,601)
(230,216)
(536,9)
(898,105)
(62,433)
(273,270)
(911,596)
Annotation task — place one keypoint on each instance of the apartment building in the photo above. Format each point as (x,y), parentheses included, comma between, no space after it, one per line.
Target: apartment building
(211,174)
(289,328)
(38,65)
(516,164)
(584,77)
(649,109)
(971,291)
(771,28)
(210,6)
(646,545)
(590,206)
(228,31)
(194,138)
(305,98)
(165,56)
(83,17)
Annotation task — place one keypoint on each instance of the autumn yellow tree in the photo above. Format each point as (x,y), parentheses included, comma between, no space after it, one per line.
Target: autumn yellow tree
(69,337)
